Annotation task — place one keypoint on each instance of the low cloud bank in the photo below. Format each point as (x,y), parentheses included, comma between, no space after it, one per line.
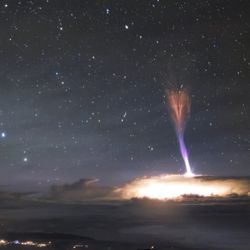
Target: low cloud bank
(84,189)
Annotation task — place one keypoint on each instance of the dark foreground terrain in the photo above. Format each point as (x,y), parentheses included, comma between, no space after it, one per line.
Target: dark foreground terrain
(136,224)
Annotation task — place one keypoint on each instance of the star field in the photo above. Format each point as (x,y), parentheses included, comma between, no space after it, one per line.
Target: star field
(82,88)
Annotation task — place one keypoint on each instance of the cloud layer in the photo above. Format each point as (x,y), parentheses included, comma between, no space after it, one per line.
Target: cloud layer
(156,187)
(84,189)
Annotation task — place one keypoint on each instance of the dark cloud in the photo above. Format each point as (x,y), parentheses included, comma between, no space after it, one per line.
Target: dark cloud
(82,190)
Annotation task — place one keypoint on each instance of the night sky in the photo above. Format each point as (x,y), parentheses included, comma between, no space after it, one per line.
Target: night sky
(82,88)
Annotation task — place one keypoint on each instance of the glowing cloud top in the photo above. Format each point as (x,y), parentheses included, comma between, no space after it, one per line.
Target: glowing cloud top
(179,105)
(168,187)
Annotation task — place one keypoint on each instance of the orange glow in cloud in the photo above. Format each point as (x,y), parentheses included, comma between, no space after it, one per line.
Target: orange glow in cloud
(165,187)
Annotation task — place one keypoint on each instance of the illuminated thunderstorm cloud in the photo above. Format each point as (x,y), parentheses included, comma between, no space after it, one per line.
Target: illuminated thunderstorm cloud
(163,187)
(166,187)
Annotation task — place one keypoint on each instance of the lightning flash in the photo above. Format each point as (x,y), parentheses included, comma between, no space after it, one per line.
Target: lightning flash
(179,105)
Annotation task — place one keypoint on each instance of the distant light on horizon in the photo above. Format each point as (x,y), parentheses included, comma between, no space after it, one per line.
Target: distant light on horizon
(4,242)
